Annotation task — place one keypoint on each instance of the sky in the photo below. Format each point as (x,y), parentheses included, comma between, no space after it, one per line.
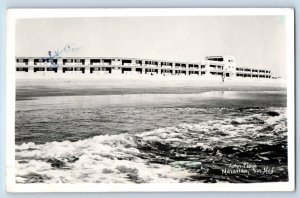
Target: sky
(254,41)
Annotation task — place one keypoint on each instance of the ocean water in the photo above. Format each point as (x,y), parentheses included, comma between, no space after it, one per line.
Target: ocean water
(220,136)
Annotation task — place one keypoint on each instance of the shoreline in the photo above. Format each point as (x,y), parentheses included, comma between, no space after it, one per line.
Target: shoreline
(41,85)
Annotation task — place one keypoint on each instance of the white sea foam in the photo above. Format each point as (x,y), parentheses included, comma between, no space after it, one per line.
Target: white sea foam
(119,159)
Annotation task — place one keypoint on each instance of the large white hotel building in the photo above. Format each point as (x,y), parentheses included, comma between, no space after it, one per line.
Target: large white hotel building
(223,66)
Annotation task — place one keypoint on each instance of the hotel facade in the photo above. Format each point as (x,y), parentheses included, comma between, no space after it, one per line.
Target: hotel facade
(212,66)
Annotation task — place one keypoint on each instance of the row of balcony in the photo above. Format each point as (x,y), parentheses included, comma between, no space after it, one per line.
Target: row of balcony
(246,70)
(45,64)
(109,70)
(104,62)
(253,75)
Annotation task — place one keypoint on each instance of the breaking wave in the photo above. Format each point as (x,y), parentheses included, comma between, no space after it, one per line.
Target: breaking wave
(188,152)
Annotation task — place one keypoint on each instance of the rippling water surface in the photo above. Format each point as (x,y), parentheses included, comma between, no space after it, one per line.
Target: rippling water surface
(147,138)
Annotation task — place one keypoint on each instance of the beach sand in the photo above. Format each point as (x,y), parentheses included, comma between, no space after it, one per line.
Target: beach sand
(41,84)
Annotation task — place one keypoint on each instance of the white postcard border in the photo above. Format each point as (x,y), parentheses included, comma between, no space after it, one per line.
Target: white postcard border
(14,14)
